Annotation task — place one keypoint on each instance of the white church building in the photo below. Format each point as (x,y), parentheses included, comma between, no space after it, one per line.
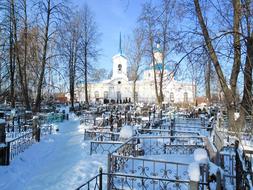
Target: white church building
(120,88)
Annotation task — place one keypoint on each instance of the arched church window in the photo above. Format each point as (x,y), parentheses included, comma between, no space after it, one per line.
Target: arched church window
(96,94)
(172,97)
(185,97)
(105,94)
(118,95)
(119,68)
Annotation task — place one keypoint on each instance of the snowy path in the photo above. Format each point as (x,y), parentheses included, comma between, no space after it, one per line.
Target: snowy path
(59,161)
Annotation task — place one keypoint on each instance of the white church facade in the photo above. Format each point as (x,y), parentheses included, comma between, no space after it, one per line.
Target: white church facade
(119,88)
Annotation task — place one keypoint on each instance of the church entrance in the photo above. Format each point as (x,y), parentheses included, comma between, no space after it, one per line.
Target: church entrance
(118,96)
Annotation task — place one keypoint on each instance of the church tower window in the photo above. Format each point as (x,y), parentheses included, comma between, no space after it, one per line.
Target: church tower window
(185,97)
(172,97)
(106,95)
(119,68)
(96,94)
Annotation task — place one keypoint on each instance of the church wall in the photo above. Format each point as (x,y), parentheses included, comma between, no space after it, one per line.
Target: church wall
(118,87)
(145,91)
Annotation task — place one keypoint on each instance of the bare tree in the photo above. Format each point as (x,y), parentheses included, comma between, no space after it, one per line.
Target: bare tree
(50,11)
(5,39)
(70,39)
(12,65)
(21,52)
(237,35)
(89,41)
(135,52)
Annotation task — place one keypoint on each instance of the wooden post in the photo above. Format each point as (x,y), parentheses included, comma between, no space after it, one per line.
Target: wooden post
(36,129)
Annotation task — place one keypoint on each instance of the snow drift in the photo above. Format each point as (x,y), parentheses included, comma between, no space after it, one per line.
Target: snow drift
(126,132)
(193,171)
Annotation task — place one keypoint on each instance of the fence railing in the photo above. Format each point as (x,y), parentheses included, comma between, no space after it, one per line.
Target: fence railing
(51,118)
(237,168)
(18,145)
(126,159)
(168,132)
(148,167)
(95,183)
(13,135)
(110,181)
(156,145)
(103,147)
(228,164)
(101,135)
(133,182)
(46,129)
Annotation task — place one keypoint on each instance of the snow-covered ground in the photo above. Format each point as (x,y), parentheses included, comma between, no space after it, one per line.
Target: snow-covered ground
(59,161)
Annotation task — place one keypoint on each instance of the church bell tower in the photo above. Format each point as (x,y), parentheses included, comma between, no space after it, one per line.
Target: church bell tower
(119,64)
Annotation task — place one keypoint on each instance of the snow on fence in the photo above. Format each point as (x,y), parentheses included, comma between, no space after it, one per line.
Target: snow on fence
(107,142)
(15,134)
(158,145)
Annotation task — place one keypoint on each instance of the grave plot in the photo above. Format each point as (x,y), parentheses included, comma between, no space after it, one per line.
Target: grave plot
(105,137)
(152,158)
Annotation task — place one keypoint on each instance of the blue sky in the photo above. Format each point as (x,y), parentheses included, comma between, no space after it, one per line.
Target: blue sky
(112,17)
